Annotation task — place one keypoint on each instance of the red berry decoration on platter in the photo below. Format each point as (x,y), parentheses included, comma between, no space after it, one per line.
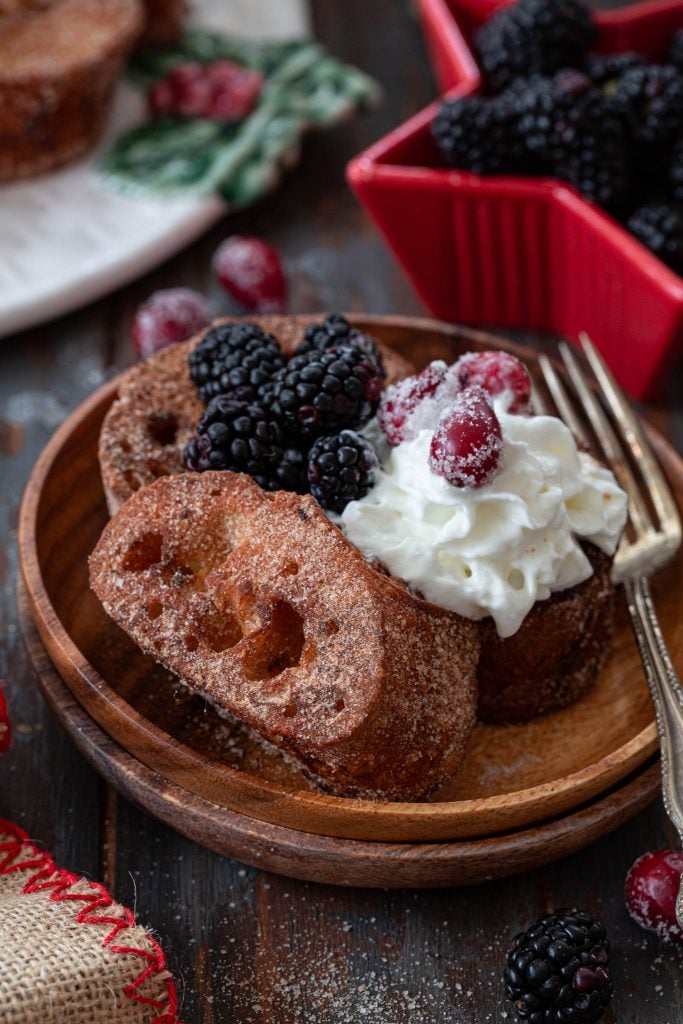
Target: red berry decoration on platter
(168,317)
(251,272)
(400,401)
(467,446)
(652,886)
(221,91)
(498,373)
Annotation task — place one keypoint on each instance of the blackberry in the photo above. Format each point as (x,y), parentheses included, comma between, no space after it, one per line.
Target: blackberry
(248,438)
(676,171)
(568,126)
(341,469)
(533,36)
(650,98)
(659,226)
(480,135)
(321,392)
(558,971)
(335,330)
(234,358)
(675,54)
(605,70)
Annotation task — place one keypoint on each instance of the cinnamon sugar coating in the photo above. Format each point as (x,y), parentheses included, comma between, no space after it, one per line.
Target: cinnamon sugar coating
(59,65)
(259,602)
(157,409)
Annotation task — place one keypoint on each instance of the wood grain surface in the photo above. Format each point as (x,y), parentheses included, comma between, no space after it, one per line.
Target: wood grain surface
(501,786)
(248,946)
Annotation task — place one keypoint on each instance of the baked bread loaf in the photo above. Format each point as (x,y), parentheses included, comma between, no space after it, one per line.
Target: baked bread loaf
(257,601)
(555,656)
(157,409)
(59,64)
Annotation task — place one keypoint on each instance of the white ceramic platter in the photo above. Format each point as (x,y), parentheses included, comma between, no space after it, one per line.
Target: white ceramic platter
(66,239)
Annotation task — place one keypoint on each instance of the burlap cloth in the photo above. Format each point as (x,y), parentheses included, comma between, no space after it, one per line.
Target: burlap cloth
(68,953)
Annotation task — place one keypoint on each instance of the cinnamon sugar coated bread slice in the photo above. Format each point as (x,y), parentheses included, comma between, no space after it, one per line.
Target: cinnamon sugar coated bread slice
(258,601)
(157,409)
(59,64)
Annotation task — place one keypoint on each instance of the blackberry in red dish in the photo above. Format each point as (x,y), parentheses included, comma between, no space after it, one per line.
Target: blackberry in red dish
(604,70)
(246,437)
(335,330)
(651,101)
(659,226)
(341,469)
(533,36)
(676,171)
(558,971)
(481,135)
(234,356)
(323,392)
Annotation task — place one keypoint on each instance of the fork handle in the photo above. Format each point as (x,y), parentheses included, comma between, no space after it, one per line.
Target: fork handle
(667,697)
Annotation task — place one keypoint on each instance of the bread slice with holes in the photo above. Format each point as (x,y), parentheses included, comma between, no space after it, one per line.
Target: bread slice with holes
(157,409)
(259,602)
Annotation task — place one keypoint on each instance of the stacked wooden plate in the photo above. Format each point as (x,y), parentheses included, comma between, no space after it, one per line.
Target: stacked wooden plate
(525,796)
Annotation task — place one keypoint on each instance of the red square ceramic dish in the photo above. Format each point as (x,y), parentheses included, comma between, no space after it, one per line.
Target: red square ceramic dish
(523,252)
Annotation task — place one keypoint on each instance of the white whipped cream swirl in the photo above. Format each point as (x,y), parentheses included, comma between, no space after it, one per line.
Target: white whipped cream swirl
(497,549)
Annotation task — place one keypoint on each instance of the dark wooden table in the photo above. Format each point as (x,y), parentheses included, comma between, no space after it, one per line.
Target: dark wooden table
(246,946)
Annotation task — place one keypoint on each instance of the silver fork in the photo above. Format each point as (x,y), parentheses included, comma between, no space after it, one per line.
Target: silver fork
(651,541)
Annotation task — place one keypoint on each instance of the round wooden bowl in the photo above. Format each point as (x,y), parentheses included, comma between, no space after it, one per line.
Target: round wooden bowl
(323,858)
(512,776)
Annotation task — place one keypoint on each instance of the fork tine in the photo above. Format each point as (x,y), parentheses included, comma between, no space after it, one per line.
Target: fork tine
(638,511)
(538,402)
(561,399)
(623,414)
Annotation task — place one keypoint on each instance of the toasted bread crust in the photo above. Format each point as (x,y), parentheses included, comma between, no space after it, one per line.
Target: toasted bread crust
(58,70)
(157,409)
(258,601)
(555,656)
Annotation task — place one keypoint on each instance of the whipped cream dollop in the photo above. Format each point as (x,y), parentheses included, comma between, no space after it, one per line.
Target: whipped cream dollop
(497,549)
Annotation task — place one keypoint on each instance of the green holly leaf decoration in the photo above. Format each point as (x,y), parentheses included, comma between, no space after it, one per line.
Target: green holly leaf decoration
(304,88)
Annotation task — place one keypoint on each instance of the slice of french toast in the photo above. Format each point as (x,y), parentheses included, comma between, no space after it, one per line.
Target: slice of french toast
(258,601)
(60,61)
(157,409)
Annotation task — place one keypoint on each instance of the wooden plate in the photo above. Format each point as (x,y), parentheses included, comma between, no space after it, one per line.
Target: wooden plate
(512,777)
(322,858)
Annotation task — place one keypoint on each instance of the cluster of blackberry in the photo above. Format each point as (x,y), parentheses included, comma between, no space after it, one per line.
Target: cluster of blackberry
(609,125)
(289,424)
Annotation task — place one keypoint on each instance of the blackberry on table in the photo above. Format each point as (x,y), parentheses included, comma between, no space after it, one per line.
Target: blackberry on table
(246,437)
(558,971)
(533,36)
(341,468)
(481,135)
(675,53)
(322,392)
(659,226)
(335,330)
(235,358)
(650,98)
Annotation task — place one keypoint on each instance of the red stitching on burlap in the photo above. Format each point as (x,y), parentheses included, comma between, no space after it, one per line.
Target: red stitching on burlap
(47,877)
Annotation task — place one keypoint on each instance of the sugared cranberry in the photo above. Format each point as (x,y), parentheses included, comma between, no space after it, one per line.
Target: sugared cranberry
(652,890)
(467,446)
(168,317)
(499,373)
(221,90)
(251,271)
(400,401)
